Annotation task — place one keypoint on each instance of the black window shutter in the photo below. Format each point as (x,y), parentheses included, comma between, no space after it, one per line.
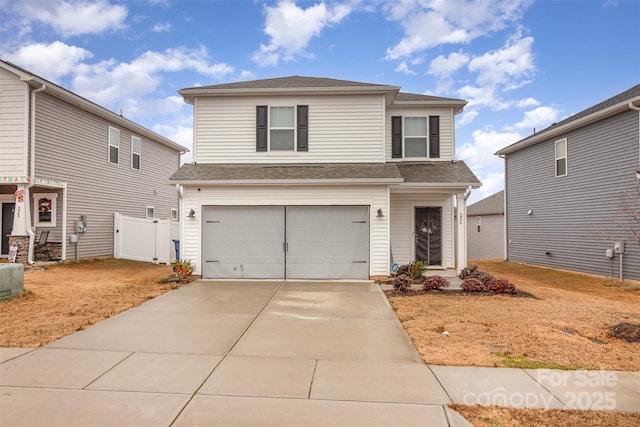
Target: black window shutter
(261,128)
(396,137)
(434,136)
(303,128)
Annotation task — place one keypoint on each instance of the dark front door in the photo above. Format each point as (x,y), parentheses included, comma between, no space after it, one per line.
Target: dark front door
(428,232)
(7,225)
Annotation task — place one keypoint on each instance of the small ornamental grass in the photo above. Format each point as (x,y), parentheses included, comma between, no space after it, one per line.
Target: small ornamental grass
(435,282)
(402,283)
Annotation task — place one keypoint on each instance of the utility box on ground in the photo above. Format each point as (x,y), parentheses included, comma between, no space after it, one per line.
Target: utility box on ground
(11,280)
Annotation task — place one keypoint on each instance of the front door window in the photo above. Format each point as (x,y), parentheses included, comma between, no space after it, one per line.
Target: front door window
(428,235)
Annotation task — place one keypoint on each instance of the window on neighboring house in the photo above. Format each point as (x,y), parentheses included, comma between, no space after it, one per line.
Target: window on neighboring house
(135,152)
(282,128)
(45,209)
(478,223)
(419,138)
(174,214)
(114,144)
(150,212)
(561,157)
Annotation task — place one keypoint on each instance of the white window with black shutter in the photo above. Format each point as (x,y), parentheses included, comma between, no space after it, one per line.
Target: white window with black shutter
(415,137)
(282,128)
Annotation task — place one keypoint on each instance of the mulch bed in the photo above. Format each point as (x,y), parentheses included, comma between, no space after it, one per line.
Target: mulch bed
(456,293)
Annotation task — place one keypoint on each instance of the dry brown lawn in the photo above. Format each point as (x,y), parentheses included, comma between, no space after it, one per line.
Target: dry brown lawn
(493,416)
(564,326)
(69,297)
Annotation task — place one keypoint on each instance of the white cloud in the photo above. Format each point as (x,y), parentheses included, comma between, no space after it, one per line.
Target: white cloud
(291,29)
(478,154)
(429,23)
(51,61)
(492,182)
(528,102)
(162,27)
(445,66)
(506,66)
(538,118)
(403,67)
(182,134)
(72,18)
(110,83)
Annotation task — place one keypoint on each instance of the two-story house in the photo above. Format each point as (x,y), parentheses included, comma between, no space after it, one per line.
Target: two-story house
(316,178)
(67,162)
(573,191)
(485,228)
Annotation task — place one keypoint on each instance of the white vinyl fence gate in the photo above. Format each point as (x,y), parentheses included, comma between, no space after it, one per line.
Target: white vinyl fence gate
(144,239)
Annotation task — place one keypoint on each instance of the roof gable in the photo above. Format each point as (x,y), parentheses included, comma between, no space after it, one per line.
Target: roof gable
(491,205)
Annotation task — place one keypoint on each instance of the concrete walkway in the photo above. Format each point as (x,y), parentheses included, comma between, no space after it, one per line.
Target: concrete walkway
(270,354)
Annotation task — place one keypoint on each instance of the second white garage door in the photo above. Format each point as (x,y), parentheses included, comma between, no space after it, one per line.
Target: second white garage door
(294,242)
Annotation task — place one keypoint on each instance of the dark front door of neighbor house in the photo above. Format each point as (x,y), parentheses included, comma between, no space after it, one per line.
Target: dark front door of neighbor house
(428,235)
(7,225)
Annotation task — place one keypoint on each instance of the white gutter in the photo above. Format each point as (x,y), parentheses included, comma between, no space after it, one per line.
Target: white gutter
(467,194)
(32,174)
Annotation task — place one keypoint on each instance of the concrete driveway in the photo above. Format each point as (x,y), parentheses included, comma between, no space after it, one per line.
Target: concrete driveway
(232,354)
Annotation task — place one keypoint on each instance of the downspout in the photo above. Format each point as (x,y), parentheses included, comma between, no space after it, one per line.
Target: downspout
(467,194)
(32,174)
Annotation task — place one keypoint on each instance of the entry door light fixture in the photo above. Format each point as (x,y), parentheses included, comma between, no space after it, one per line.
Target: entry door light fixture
(380,214)
(192,214)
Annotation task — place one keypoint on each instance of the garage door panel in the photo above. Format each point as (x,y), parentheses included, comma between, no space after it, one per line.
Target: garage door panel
(243,242)
(327,242)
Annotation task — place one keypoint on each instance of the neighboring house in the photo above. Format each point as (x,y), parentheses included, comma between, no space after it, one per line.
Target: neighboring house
(485,228)
(565,187)
(63,157)
(302,177)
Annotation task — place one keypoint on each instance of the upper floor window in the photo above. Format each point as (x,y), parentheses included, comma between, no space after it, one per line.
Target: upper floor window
(114,144)
(419,137)
(135,152)
(174,214)
(478,223)
(561,157)
(282,128)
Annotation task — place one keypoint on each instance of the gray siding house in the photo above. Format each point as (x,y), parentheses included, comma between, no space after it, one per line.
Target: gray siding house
(63,157)
(567,187)
(485,228)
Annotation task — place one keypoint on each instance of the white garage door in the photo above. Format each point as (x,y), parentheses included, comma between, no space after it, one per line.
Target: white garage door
(294,242)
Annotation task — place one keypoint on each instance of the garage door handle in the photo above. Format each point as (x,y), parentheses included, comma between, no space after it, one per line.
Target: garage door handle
(359,262)
(359,222)
(213,222)
(285,247)
(214,260)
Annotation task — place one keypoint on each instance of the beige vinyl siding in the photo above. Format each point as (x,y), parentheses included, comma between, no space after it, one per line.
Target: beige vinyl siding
(373,196)
(447,133)
(14,124)
(341,129)
(72,146)
(402,215)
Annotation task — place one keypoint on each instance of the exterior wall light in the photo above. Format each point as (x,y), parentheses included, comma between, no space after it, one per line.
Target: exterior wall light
(192,214)
(380,215)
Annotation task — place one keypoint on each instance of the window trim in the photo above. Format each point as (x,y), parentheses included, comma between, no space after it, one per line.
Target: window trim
(116,146)
(54,209)
(134,153)
(152,210)
(173,215)
(425,136)
(293,129)
(565,157)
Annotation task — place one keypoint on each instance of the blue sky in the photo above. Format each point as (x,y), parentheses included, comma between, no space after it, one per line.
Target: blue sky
(521,64)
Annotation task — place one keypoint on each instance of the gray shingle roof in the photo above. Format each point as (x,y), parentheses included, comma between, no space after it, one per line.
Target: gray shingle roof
(491,205)
(437,172)
(414,172)
(289,82)
(404,96)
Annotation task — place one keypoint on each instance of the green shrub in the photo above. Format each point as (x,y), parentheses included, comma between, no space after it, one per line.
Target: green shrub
(435,282)
(415,270)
